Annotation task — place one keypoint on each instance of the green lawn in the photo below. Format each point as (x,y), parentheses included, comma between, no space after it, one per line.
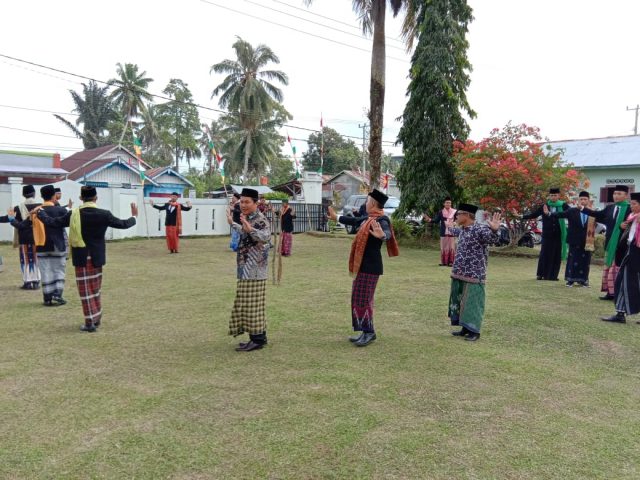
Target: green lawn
(549,391)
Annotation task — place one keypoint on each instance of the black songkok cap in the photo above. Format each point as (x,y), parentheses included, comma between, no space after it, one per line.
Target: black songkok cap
(249,192)
(467,207)
(57,190)
(584,194)
(621,188)
(635,196)
(47,192)
(87,193)
(378,196)
(175,193)
(28,190)
(554,190)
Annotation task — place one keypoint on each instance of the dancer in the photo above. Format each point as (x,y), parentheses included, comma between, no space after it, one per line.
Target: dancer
(173,220)
(23,239)
(286,222)
(447,241)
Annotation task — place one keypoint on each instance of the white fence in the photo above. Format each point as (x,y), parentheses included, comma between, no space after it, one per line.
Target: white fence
(207,217)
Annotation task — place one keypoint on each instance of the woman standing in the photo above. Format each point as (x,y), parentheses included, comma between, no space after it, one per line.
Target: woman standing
(447,241)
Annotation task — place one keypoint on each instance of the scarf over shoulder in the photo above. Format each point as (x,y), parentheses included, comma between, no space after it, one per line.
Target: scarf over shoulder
(360,242)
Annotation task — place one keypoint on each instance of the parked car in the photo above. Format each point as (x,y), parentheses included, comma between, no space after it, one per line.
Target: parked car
(356,202)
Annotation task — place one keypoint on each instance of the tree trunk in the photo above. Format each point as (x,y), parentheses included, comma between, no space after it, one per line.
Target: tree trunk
(247,156)
(124,130)
(376,108)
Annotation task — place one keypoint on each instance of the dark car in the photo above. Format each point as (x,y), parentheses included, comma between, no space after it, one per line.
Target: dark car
(356,202)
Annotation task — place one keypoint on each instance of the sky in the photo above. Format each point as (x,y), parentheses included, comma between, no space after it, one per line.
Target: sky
(568,67)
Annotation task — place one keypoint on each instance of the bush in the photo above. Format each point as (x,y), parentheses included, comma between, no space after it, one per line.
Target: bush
(599,244)
(401,228)
(276,196)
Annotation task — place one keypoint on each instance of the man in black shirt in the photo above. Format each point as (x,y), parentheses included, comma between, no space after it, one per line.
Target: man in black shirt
(173,220)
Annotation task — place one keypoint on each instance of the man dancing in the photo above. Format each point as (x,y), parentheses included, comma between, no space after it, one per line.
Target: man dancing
(23,239)
(173,220)
(447,241)
(252,257)
(469,272)
(365,262)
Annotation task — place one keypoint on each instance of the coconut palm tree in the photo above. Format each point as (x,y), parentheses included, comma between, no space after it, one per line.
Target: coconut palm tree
(247,91)
(130,92)
(95,112)
(372,14)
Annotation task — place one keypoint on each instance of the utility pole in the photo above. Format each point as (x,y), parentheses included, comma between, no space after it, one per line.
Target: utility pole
(636,108)
(364,127)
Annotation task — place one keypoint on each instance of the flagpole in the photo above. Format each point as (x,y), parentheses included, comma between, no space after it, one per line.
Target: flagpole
(321,144)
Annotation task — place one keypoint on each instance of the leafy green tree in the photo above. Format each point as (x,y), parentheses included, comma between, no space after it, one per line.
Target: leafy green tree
(156,137)
(180,117)
(372,14)
(212,133)
(281,170)
(249,95)
(339,153)
(130,93)
(95,113)
(433,116)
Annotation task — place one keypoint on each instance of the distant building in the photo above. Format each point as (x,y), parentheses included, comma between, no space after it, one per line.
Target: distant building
(605,161)
(110,166)
(349,182)
(165,180)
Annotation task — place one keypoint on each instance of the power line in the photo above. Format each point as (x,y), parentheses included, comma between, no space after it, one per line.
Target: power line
(350,25)
(84,77)
(360,37)
(298,30)
(38,110)
(35,131)
(36,147)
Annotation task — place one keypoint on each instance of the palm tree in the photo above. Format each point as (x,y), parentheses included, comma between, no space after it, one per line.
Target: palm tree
(130,92)
(371,14)
(247,91)
(95,112)
(157,140)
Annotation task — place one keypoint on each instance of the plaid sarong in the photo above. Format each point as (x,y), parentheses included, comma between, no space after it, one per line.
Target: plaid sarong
(466,304)
(248,313)
(89,281)
(29,263)
(609,275)
(52,269)
(362,293)
(447,250)
(287,242)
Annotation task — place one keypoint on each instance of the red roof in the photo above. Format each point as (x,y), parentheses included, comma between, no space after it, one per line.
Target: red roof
(80,159)
(87,169)
(151,173)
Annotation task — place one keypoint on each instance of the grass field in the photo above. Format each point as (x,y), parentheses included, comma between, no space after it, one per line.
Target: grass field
(548,392)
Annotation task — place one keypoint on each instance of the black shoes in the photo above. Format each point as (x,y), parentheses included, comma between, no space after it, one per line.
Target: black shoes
(88,328)
(356,338)
(569,284)
(249,346)
(461,333)
(365,339)
(617,318)
(538,277)
(607,297)
(58,301)
(472,337)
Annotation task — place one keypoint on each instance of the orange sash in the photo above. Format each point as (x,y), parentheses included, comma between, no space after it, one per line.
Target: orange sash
(39,232)
(360,242)
(178,216)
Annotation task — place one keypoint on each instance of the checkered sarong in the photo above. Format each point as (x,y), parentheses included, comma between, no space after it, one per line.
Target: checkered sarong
(248,313)
(609,275)
(362,292)
(89,281)
(287,242)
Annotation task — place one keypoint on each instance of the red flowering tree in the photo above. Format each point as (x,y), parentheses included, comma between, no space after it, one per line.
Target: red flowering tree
(513,171)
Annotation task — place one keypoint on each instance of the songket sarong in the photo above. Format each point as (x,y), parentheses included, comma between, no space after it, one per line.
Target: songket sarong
(609,275)
(89,281)
(287,242)
(578,265)
(362,293)
(628,283)
(466,304)
(29,264)
(173,240)
(52,270)
(248,313)
(447,250)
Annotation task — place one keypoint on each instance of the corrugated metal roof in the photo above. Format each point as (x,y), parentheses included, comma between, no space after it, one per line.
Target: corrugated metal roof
(20,170)
(17,159)
(601,152)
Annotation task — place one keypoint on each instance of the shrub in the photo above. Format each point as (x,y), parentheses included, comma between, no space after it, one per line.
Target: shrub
(276,196)
(401,228)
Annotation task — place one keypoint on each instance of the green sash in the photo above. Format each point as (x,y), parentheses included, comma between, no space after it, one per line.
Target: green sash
(563,226)
(610,256)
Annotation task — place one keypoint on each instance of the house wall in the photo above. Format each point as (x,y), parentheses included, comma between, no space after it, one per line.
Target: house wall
(608,177)
(207,217)
(116,175)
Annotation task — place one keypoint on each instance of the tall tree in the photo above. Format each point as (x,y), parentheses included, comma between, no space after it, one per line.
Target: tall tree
(339,153)
(433,117)
(130,92)
(95,112)
(157,141)
(181,118)
(372,15)
(247,91)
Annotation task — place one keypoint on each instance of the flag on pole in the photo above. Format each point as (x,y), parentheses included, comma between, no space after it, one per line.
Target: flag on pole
(321,144)
(295,159)
(137,146)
